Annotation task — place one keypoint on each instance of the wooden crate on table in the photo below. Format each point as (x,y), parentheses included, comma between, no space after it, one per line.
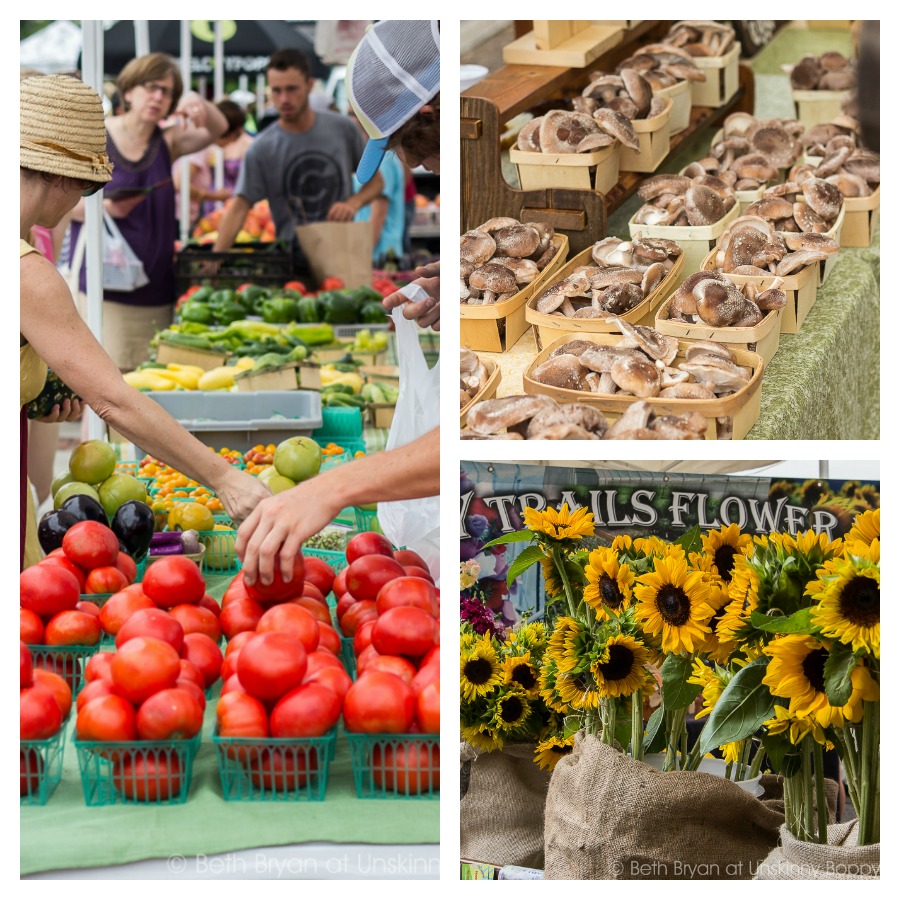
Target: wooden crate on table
(487,392)
(597,170)
(815,107)
(861,216)
(653,140)
(721,78)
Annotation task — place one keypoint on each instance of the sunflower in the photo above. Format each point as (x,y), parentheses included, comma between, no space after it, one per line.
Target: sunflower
(609,582)
(734,623)
(796,672)
(532,636)
(549,692)
(557,525)
(553,586)
(797,727)
(479,670)
(722,546)
(654,546)
(510,711)
(712,682)
(866,527)
(621,669)
(519,670)
(811,544)
(482,737)
(622,543)
(731,752)
(849,595)
(578,690)
(569,641)
(672,601)
(549,752)
(715,649)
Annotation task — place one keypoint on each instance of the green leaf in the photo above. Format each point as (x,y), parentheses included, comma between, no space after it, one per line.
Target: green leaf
(798,623)
(655,738)
(573,725)
(784,758)
(525,560)
(744,705)
(691,541)
(677,693)
(513,537)
(840,663)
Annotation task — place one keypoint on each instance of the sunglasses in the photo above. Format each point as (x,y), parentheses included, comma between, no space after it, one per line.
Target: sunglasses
(93,187)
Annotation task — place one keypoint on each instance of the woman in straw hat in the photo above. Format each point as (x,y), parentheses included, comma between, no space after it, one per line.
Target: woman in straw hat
(161,123)
(62,157)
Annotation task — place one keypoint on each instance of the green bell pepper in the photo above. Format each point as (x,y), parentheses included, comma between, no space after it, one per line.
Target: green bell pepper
(193,311)
(279,310)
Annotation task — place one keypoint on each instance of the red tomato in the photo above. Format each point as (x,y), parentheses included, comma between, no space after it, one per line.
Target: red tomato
(57,686)
(279,589)
(319,573)
(171,580)
(428,708)
(368,543)
(298,286)
(396,664)
(410,558)
(210,603)
(205,654)
(91,545)
(172,714)
(413,768)
(269,665)
(364,658)
(94,689)
(284,770)
(426,675)
(322,659)
(319,611)
(367,575)
(155,623)
(127,566)
(197,620)
(99,667)
(335,679)
(31,628)
(143,666)
(25,666)
(433,656)
(120,607)
(39,713)
(239,615)
(106,718)
(229,664)
(345,601)
(310,590)
(332,283)
(404,631)
(418,572)
(233,683)
(148,776)
(363,611)
(379,703)
(196,692)
(329,638)
(237,642)
(238,714)
(86,606)
(235,589)
(73,628)
(340,583)
(292,620)
(105,580)
(48,589)
(309,710)
(407,591)
(189,672)
(363,637)
(64,562)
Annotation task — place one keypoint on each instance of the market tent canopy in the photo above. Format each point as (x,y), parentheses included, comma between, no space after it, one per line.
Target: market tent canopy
(247,44)
(684,466)
(56,48)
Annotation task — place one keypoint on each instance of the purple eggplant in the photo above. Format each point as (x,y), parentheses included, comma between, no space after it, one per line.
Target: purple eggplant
(133,526)
(53,527)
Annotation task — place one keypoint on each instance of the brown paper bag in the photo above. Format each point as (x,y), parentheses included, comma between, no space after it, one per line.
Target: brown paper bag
(340,249)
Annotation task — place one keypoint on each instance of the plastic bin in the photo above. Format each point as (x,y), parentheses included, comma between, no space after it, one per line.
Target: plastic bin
(242,420)
(265,264)
(392,766)
(40,767)
(220,557)
(67,661)
(339,423)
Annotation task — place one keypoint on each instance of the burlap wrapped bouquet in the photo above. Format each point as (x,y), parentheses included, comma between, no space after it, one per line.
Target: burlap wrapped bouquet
(840,858)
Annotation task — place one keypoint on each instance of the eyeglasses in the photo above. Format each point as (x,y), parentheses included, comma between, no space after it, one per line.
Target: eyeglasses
(151,87)
(92,188)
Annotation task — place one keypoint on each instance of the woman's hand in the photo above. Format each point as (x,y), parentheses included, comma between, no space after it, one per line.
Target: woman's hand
(67,411)
(240,494)
(425,312)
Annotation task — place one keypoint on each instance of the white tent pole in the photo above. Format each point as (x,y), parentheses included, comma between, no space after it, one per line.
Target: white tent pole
(92,74)
(218,94)
(260,96)
(823,468)
(141,37)
(184,212)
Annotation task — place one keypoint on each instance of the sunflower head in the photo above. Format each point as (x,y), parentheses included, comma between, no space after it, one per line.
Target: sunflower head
(795,727)
(550,751)
(479,670)
(712,681)
(621,668)
(609,583)
(482,737)
(570,644)
(560,525)
(520,672)
(553,586)
(721,547)
(866,527)
(510,711)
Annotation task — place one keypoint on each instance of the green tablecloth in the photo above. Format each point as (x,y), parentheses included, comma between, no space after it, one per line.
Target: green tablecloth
(67,834)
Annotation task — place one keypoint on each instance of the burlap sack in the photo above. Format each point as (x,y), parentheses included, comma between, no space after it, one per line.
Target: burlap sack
(501,807)
(609,816)
(773,796)
(840,858)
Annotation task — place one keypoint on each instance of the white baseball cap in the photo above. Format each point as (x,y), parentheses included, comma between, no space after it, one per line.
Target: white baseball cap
(393,72)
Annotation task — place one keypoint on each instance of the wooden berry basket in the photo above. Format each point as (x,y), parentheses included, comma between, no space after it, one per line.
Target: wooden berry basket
(721,78)
(680,95)
(800,289)
(815,107)
(653,139)
(695,240)
(597,170)
(762,338)
(548,327)
(741,408)
(495,327)
(861,215)
(826,265)
(488,392)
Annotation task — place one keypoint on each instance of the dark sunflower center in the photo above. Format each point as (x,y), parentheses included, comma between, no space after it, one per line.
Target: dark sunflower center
(610,594)
(562,750)
(478,671)
(724,559)
(673,605)
(523,675)
(861,601)
(619,664)
(814,668)
(511,709)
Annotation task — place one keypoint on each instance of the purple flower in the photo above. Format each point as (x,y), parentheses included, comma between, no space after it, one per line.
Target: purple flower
(477,525)
(469,549)
(475,613)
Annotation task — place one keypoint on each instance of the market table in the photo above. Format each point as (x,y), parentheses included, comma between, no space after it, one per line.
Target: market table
(823,383)
(366,838)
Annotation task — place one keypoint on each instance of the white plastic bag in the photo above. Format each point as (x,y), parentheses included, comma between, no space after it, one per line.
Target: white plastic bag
(413,523)
(122,269)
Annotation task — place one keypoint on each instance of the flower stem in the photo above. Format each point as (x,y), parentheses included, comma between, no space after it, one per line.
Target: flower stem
(756,762)
(806,787)
(869,827)
(821,809)
(847,743)
(637,724)
(559,562)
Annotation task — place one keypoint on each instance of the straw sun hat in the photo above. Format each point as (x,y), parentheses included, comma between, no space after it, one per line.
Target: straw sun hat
(61,129)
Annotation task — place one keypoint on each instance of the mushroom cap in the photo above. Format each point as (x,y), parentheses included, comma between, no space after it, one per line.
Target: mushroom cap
(576,347)
(637,376)
(776,145)
(657,185)
(493,277)
(824,198)
(811,241)
(844,80)
(709,348)
(618,126)
(639,91)
(525,270)
(807,219)
(655,345)
(718,304)
(551,299)
(703,205)
(528,138)
(501,413)
(625,106)
(517,240)
(476,247)
(563,371)
(621,298)
(496,223)
(562,131)
(805,75)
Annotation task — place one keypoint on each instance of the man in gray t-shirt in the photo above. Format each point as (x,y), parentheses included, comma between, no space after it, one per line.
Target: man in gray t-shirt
(303,163)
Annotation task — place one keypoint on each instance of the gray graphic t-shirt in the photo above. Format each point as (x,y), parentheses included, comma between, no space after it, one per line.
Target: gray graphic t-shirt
(302,175)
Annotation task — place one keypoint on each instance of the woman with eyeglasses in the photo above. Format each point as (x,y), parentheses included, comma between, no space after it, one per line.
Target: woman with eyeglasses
(161,123)
(62,157)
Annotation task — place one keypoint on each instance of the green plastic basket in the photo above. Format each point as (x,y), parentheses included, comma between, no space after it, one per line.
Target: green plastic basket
(339,423)
(367,520)
(127,467)
(66,661)
(136,772)
(394,766)
(220,557)
(40,767)
(348,655)
(335,558)
(274,768)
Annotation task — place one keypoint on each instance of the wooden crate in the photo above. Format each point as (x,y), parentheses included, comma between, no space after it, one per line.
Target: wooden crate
(187,356)
(548,327)
(653,138)
(597,170)
(721,78)
(826,265)
(762,338)
(382,414)
(695,240)
(309,377)
(861,216)
(800,289)
(496,327)
(279,378)
(680,95)
(488,392)
(570,44)
(389,374)
(815,107)
(741,409)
